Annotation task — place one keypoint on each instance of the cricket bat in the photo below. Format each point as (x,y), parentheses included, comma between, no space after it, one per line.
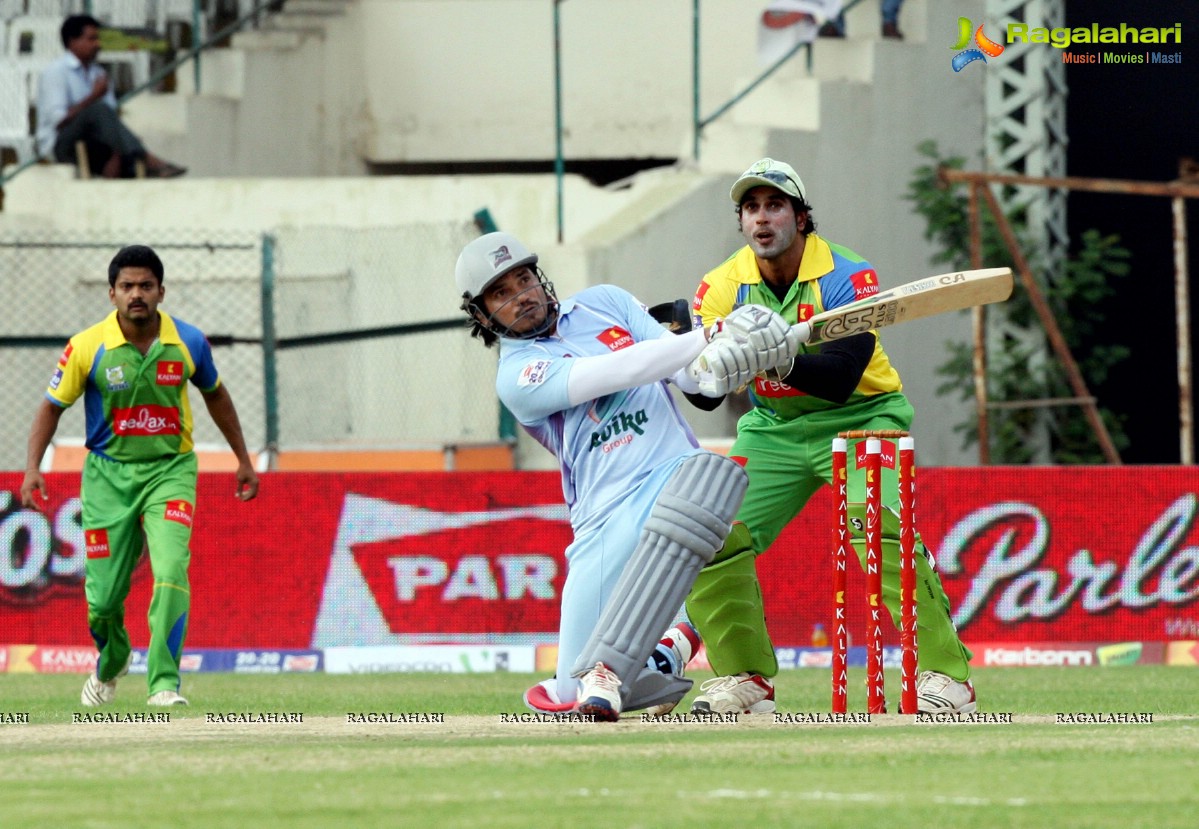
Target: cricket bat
(922,298)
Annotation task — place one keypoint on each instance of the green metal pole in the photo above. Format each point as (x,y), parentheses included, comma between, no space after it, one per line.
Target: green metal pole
(695,127)
(270,377)
(559,162)
(196,17)
(484,222)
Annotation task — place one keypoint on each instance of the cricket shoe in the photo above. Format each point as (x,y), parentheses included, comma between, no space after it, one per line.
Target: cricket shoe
(741,693)
(96,693)
(600,695)
(937,693)
(542,698)
(166,699)
(671,657)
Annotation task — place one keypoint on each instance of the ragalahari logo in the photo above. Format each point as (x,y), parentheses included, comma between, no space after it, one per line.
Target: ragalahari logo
(984,47)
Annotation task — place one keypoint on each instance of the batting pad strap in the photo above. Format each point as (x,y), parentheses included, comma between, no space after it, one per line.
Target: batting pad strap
(686,527)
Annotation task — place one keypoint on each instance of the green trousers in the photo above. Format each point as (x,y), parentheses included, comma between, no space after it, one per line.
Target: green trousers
(128,508)
(787,462)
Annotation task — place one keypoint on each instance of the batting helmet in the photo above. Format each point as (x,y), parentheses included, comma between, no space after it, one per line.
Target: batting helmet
(485,260)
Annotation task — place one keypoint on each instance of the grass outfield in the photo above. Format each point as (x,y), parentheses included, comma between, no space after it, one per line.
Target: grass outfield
(474,770)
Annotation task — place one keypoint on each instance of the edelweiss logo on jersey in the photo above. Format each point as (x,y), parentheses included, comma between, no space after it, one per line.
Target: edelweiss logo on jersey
(865,283)
(66,355)
(170,373)
(985,46)
(145,421)
(499,256)
(699,295)
(96,543)
(615,338)
(534,373)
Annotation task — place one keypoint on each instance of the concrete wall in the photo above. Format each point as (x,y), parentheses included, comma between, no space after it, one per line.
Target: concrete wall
(469,80)
(435,81)
(286,100)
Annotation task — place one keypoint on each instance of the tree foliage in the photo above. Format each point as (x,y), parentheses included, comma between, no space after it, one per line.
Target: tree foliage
(1020,364)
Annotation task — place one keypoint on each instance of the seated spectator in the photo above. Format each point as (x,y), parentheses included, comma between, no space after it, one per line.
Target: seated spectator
(75,102)
(889,12)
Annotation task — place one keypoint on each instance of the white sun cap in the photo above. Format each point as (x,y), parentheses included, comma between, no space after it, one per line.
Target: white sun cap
(768,173)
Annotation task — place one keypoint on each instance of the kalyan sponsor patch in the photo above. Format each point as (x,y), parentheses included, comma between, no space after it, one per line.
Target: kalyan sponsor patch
(616,338)
(97,543)
(865,283)
(179,511)
(170,373)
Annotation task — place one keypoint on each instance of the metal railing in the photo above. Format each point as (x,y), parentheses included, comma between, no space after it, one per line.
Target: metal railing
(698,121)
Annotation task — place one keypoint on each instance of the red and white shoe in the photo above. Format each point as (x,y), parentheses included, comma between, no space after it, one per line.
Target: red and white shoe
(600,695)
(542,698)
(741,693)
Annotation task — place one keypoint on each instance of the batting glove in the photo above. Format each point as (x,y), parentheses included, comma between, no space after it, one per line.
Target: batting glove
(724,366)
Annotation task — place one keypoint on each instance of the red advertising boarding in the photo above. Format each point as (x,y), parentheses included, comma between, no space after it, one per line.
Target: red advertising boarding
(320,559)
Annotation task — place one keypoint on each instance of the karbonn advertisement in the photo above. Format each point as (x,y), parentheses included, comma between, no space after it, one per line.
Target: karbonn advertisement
(329,560)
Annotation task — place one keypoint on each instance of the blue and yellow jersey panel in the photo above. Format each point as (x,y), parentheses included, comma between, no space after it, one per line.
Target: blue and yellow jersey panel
(829,276)
(136,405)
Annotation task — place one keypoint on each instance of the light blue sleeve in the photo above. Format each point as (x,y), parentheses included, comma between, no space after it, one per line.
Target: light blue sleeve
(626,306)
(532,384)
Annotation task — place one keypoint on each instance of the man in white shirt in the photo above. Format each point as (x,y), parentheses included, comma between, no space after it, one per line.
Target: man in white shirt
(75,102)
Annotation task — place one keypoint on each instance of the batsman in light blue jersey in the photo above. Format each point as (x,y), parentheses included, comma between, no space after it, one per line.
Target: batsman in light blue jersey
(587,378)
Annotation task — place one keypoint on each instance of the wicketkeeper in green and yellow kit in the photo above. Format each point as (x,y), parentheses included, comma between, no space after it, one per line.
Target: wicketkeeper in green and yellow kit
(139,478)
(785,443)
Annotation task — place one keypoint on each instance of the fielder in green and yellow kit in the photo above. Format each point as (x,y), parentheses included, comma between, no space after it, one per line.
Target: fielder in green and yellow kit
(785,443)
(139,479)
